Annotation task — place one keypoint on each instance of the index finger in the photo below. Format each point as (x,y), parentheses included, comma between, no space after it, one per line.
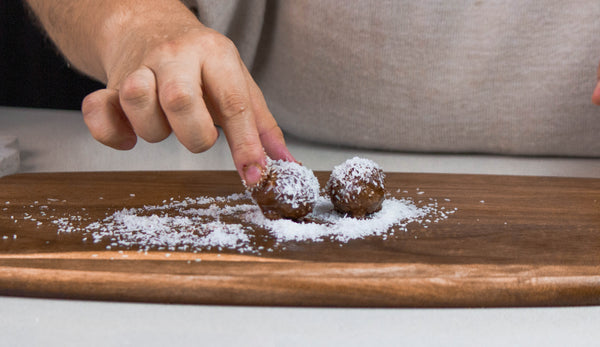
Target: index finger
(270,133)
(224,83)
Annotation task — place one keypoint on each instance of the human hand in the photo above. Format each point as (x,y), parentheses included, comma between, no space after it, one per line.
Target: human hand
(596,94)
(183,77)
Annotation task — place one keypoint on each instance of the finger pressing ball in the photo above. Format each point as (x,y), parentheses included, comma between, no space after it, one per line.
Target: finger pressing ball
(287,190)
(356,187)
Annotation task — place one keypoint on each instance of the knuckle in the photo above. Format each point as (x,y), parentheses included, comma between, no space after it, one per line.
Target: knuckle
(217,42)
(168,46)
(202,144)
(228,47)
(105,135)
(198,147)
(91,103)
(242,149)
(156,136)
(275,130)
(135,92)
(233,105)
(177,98)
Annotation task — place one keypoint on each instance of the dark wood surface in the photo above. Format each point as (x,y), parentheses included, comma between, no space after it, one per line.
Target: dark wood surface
(533,241)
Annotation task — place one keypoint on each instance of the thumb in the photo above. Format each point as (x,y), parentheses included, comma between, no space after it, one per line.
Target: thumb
(106,120)
(596,94)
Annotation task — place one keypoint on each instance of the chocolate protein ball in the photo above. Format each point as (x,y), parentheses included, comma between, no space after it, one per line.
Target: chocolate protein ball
(356,187)
(287,190)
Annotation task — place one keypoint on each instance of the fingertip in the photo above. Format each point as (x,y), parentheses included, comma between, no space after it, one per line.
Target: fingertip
(251,167)
(284,154)
(126,143)
(252,174)
(274,145)
(106,121)
(280,152)
(93,101)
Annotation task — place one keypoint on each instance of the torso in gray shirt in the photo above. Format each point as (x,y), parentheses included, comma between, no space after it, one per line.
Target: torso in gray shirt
(503,76)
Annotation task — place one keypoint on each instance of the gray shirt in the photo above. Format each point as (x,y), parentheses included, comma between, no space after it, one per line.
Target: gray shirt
(482,76)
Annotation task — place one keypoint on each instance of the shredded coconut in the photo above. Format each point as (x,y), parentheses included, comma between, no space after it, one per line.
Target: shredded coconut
(236,223)
(233,223)
(351,173)
(296,184)
(329,224)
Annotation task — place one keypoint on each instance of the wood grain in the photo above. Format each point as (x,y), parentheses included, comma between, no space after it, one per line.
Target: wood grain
(533,241)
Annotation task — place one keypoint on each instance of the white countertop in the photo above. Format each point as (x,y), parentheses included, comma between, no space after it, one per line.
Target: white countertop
(51,140)
(55,140)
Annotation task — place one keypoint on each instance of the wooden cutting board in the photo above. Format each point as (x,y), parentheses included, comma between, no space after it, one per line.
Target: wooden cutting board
(513,241)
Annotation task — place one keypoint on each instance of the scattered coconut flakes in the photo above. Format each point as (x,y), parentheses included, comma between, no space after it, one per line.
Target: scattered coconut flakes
(236,223)
(353,171)
(233,222)
(296,184)
(331,224)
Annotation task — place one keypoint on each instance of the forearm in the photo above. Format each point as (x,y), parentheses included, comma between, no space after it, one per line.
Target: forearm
(91,34)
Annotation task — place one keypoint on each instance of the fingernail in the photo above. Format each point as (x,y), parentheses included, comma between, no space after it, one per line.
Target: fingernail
(252,175)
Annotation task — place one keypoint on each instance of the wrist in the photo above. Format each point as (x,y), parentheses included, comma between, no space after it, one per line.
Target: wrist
(112,31)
